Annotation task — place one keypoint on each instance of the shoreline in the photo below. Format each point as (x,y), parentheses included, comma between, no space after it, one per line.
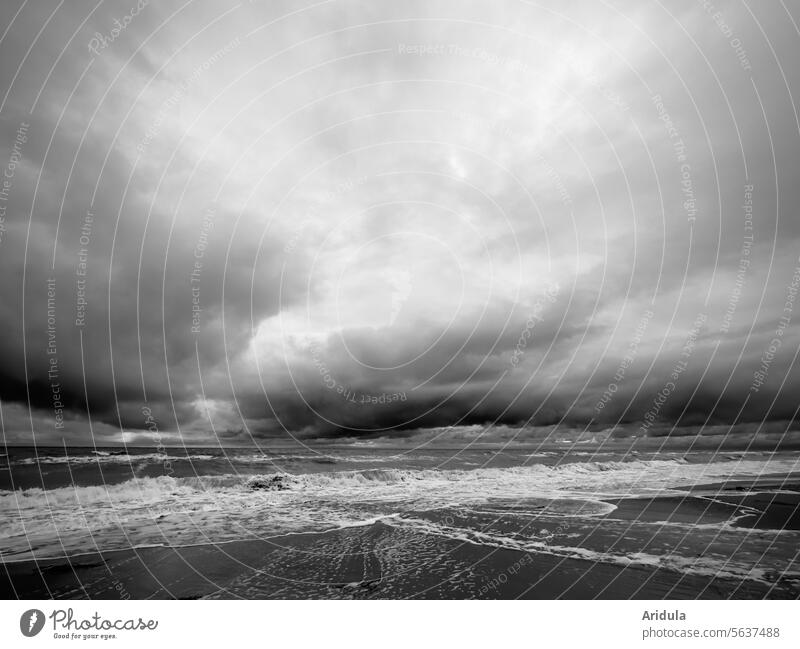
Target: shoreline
(370,562)
(732,538)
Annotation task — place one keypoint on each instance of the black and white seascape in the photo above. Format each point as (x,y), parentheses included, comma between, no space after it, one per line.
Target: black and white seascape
(384,300)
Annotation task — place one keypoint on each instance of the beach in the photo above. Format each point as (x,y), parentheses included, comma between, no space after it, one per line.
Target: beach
(375,562)
(378,523)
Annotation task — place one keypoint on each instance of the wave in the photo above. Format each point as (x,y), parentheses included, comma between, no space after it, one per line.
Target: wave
(122,457)
(105,457)
(612,478)
(617,478)
(172,510)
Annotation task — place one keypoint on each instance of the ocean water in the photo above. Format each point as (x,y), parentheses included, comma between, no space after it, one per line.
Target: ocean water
(696,513)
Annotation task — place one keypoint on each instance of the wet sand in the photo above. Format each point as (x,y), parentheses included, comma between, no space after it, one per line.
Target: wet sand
(734,539)
(690,510)
(372,562)
(778,511)
(769,502)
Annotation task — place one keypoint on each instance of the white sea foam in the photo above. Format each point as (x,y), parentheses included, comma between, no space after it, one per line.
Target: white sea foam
(217,508)
(541,541)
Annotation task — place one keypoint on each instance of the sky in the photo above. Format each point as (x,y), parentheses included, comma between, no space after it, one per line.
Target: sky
(252,222)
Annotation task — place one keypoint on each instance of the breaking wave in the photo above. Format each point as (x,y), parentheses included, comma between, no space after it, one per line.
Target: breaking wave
(180,510)
(615,478)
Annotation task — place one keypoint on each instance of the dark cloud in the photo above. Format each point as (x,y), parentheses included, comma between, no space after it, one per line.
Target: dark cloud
(372,234)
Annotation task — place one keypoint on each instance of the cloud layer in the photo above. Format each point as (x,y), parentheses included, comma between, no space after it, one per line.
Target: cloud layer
(261,221)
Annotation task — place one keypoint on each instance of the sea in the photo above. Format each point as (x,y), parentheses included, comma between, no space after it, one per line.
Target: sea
(732,515)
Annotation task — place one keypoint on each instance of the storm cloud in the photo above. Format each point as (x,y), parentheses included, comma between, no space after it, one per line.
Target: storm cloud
(259,221)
